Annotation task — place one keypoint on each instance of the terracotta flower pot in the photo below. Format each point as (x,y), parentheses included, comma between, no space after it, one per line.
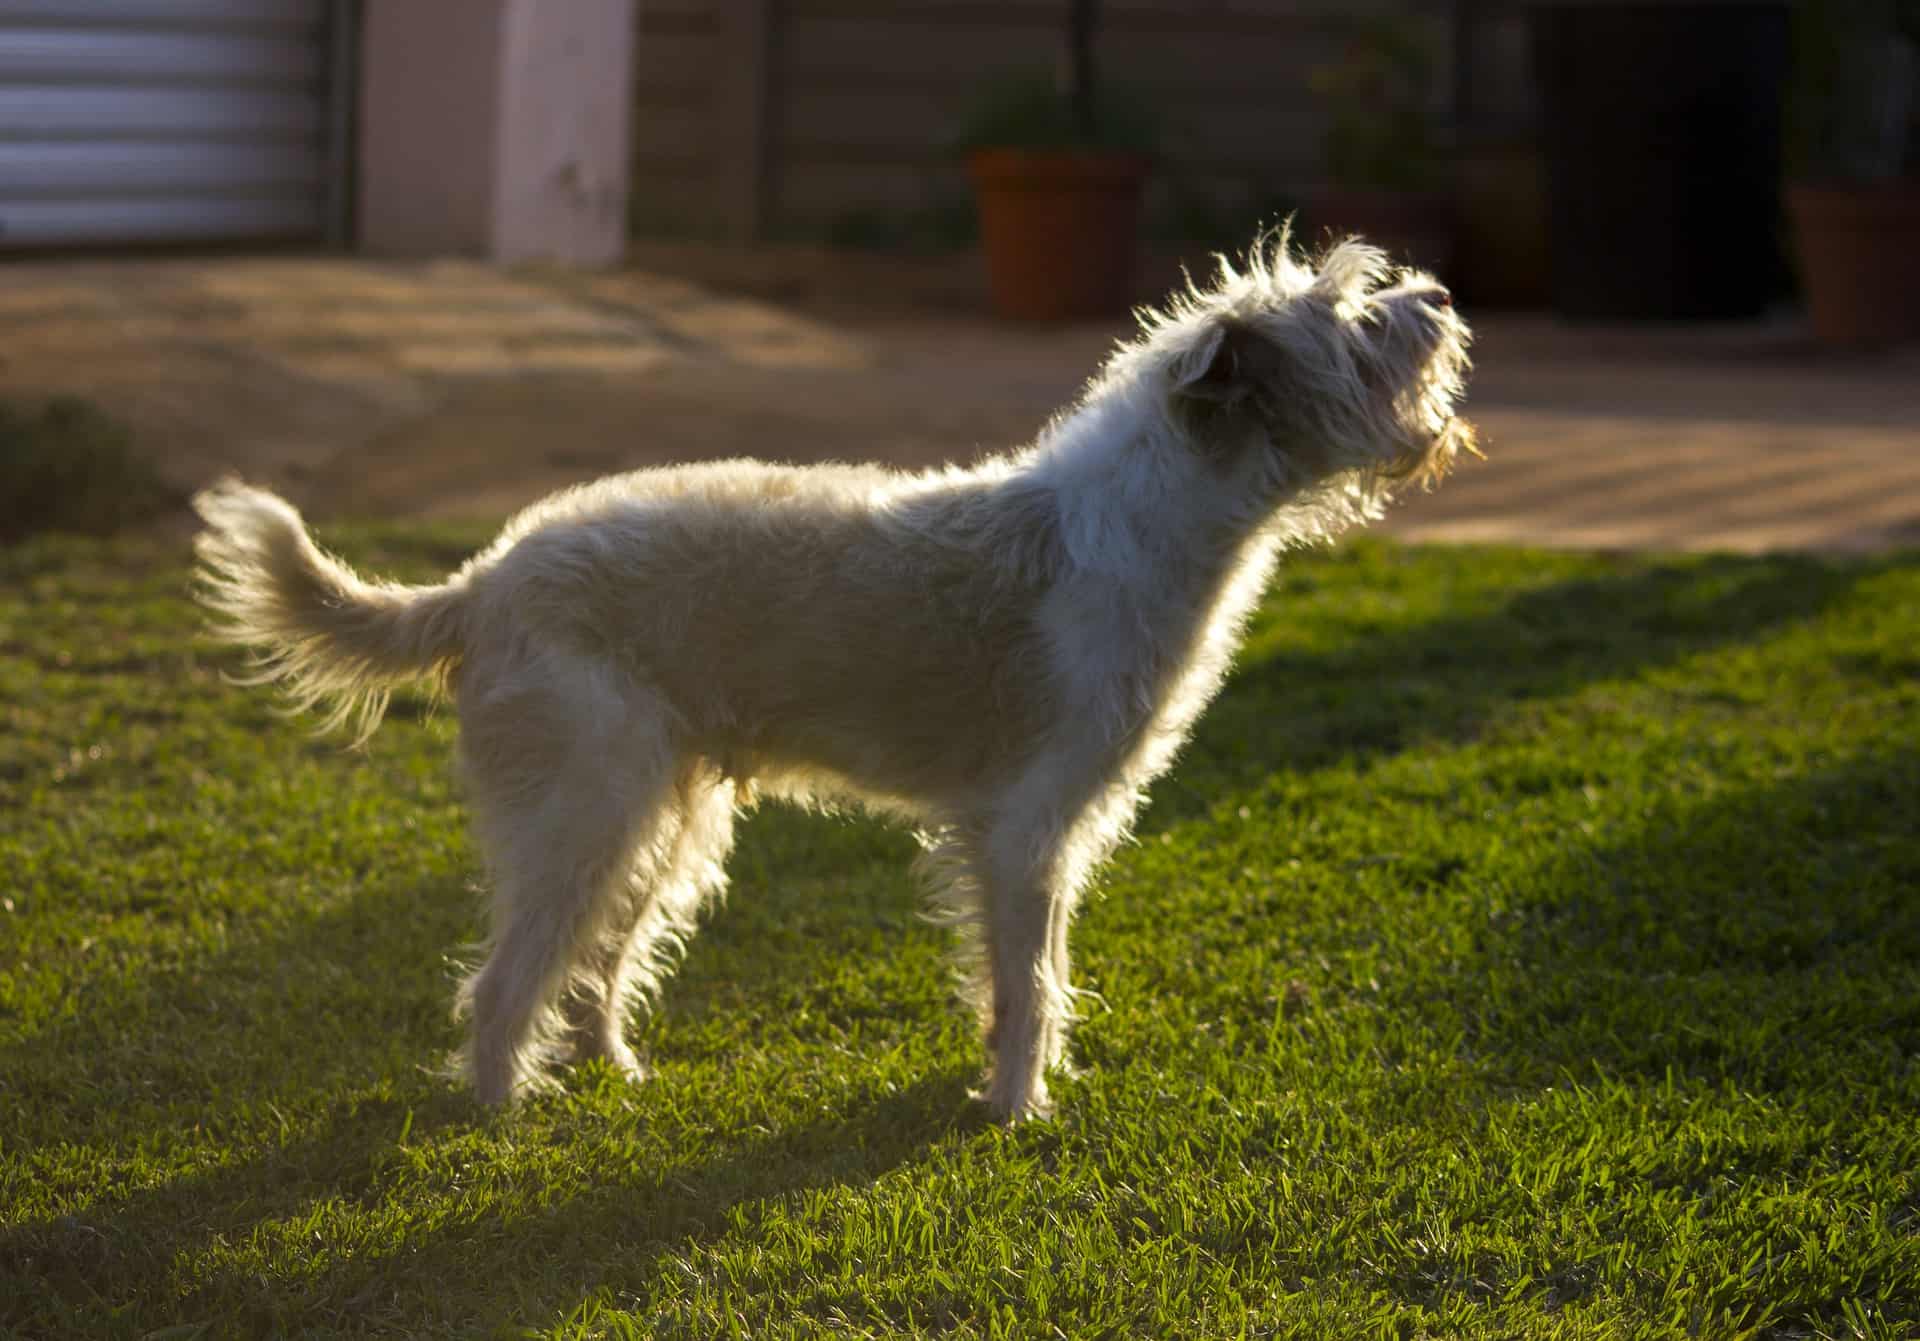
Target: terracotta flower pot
(1059,228)
(1859,251)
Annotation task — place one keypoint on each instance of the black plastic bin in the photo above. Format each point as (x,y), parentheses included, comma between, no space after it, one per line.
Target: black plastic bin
(1662,131)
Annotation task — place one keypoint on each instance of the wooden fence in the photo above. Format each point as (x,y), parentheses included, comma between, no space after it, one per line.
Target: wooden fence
(835,119)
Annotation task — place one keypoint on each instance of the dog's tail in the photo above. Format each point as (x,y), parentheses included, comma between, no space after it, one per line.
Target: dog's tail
(328,637)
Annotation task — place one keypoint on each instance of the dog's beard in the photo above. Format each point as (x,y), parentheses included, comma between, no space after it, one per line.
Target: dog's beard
(1419,362)
(1434,437)
(1395,433)
(1427,468)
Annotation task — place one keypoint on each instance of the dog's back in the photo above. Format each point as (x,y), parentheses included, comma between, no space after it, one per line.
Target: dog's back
(877,628)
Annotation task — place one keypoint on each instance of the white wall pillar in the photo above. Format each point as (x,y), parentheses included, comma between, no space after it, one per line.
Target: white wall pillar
(496,128)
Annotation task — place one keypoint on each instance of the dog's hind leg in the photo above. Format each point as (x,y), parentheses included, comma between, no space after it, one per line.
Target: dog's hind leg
(660,916)
(592,1008)
(572,775)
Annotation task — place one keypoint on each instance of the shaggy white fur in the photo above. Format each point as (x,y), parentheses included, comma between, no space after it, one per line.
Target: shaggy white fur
(1003,655)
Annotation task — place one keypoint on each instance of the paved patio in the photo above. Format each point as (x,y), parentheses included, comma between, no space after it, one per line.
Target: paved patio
(451,389)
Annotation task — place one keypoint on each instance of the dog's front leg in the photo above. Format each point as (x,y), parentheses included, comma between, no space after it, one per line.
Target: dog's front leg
(1029,896)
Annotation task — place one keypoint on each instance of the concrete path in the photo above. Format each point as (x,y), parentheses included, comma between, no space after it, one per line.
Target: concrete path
(457,390)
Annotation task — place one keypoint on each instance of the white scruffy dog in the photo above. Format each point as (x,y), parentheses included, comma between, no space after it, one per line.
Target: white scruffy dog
(1004,655)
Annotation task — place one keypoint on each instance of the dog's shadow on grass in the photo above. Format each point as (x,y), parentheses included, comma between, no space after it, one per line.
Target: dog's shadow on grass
(1373,693)
(1737,936)
(349,999)
(615,1231)
(1766,938)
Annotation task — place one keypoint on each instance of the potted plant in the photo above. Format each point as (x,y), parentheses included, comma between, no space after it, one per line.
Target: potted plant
(1382,165)
(1852,201)
(1057,167)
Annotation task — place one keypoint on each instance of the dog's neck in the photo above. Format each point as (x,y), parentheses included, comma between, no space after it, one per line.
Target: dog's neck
(1158,575)
(1134,499)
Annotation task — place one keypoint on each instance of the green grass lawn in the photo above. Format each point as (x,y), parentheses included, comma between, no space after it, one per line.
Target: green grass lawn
(1528,945)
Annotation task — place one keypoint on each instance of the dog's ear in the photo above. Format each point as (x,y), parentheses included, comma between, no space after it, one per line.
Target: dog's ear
(1223,366)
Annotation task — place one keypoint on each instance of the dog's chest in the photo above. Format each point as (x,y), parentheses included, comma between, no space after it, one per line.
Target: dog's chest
(1147,663)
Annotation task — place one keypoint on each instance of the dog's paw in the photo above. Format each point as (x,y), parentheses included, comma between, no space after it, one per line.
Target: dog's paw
(503,1093)
(1013,1104)
(615,1054)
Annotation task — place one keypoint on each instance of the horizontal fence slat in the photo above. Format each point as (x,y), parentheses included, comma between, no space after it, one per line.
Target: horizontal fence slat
(654,19)
(848,53)
(79,112)
(57,168)
(901,124)
(822,193)
(1238,16)
(675,203)
(671,132)
(848,49)
(675,64)
(40,222)
(302,14)
(77,54)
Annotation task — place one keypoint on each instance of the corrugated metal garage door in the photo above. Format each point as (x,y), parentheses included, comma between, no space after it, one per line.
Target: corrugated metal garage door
(170,120)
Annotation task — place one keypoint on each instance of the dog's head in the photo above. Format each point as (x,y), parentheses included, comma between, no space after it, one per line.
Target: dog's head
(1346,367)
